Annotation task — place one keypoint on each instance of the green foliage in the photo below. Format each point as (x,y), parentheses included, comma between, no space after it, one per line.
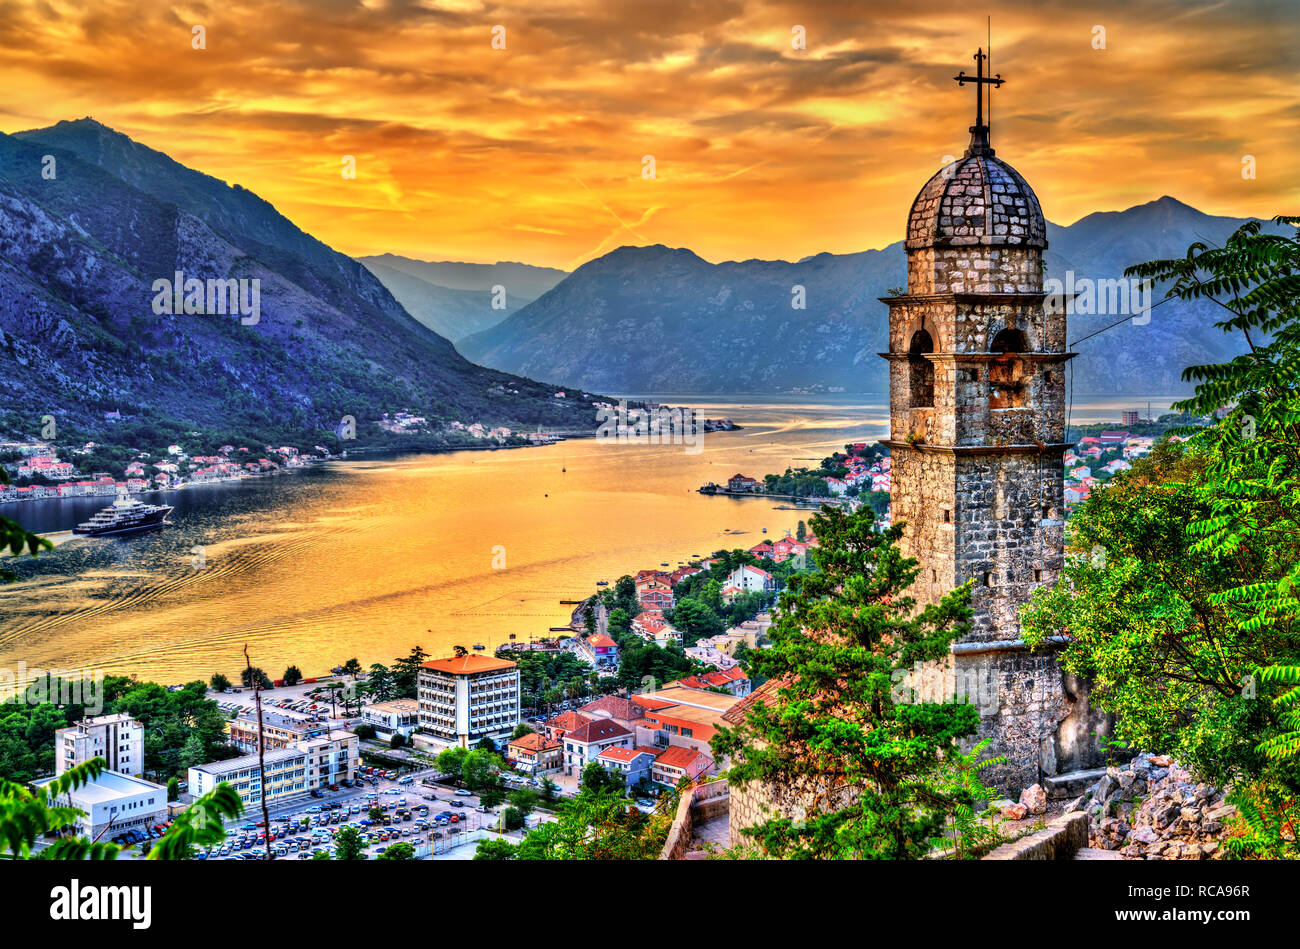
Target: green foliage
(1165,653)
(379,682)
(27,815)
(512,818)
(1182,600)
(292,676)
(869,770)
(348,844)
(254,676)
(969,835)
(398,851)
(202,824)
(1265,829)
(404,676)
(599,824)
(218,682)
(493,848)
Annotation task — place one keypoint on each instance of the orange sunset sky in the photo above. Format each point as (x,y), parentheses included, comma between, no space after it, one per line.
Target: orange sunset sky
(534,152)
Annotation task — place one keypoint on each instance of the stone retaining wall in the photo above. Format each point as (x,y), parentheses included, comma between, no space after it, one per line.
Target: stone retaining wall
(1060,840)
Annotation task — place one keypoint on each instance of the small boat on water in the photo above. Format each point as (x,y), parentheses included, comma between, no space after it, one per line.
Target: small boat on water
(125,516)
(479,646)
(764,530)
(602,583)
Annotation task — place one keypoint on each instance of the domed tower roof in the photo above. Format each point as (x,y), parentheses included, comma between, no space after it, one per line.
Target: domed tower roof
(977,199)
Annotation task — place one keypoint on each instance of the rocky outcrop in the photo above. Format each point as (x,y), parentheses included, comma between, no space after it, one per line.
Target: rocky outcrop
(1153,809)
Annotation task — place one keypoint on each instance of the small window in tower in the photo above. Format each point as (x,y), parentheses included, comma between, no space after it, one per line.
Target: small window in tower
(947,516)
(920,371)
(1038,576)
(988,579)
(934,576)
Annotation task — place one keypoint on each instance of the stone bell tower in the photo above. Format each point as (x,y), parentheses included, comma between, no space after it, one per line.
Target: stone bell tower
(977,434)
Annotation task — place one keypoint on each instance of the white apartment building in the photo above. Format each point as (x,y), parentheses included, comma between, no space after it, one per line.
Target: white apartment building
(465,699)
(118,739)
(114,803)
(315,763)
(396,716)
(751,579)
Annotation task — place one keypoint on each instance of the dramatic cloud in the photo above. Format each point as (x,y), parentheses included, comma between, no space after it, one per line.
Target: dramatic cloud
(535,152)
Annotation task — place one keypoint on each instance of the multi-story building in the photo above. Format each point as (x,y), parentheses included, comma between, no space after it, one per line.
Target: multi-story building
(278,731)
(534,753)
(396,716)
(634,764)
(114,803)
(464,699)
(314,763)
(118,739)
(677,762)
(584,744)
(285,776)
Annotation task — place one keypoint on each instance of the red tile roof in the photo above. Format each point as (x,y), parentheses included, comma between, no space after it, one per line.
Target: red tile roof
(463,665)
(677,756)
(534,742)
(597,730)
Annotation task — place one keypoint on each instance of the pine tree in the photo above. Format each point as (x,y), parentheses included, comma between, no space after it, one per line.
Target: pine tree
(867,766)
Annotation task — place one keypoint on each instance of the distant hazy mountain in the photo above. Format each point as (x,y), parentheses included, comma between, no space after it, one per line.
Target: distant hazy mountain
(456,299)
(463,303)
(79,254)
(663,320)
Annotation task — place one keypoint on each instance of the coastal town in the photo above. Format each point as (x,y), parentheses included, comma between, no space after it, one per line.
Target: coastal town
(351,764)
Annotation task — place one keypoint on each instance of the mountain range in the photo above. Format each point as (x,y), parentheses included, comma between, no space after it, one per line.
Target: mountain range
(663,320)
(456,299)
(90,220)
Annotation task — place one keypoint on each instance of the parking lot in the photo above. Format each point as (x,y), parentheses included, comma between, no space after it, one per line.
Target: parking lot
(413,813)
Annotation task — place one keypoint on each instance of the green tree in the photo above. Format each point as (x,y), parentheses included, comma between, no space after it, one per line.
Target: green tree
(218,682)
(523,800)
(866,765)
(252,676)
(348,844)
(596,778)
(405,673)
(522,729)
(173,788)
(479,768)
(292,676)
(451,761)
(379,683)
(398,851)
(600,825)
(548,790)
(494,848)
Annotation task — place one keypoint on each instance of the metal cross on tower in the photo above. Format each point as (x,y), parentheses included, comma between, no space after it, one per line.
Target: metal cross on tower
(979,143)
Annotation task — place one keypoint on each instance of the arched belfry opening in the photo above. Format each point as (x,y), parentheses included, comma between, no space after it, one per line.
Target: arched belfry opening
(920,371)
(1007,383)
